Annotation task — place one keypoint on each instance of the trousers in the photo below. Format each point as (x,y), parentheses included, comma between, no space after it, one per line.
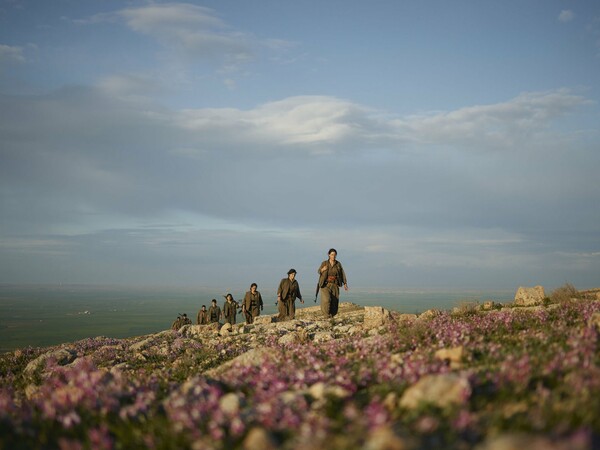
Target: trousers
(330,299)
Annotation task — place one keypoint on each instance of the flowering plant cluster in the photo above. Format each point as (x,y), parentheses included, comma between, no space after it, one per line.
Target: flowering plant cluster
(535,372)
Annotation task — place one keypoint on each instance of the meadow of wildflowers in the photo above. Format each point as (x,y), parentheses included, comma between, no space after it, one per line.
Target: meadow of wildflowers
(525,372)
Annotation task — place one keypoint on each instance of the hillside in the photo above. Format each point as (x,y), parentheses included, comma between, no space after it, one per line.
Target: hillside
(487,376)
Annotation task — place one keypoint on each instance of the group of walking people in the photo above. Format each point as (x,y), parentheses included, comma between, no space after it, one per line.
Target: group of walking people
(331,278)
(251,307)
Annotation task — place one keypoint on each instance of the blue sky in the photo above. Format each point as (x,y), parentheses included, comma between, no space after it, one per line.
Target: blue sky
(217,143)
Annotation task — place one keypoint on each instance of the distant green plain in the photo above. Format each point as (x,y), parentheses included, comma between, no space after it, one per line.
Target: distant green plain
(40,316)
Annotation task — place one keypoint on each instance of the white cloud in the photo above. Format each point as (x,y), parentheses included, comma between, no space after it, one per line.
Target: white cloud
(566,15)
(321,124)
(10,53)
(195,30)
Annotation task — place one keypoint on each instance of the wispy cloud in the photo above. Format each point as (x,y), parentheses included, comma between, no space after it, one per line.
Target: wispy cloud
(194,31)
(9,53)
(566,15)
(497,125)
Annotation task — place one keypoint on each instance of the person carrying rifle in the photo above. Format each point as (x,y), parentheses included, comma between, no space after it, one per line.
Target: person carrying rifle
(331,278)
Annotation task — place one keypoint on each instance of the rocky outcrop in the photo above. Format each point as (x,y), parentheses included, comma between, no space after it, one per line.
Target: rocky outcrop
(61,356)
(529,296)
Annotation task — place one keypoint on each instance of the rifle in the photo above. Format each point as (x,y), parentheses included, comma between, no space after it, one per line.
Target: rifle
(317,290)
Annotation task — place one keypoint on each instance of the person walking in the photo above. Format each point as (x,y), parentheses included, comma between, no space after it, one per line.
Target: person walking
(331,278)
(214,312)
(287,293)
(253,303)
(202,318)
(230,309)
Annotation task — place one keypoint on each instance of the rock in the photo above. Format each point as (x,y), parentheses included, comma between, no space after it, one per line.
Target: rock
(441,390)
(289,339)
(62,356)
(384,438)
(520,441)
(323,336)
(320,390)
(230,404)
(253,357)
(355,329)
(141,344)
(259,439)
(226,330)
(375,316)
(391,401)
(488,305)
(594,321)
(454,355)
(264,319)
(429,314)
(405,317)
(529,296)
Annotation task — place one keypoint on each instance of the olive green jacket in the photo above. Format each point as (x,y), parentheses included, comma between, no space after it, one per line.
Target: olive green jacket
(289,289)
(253,303)
(336,271)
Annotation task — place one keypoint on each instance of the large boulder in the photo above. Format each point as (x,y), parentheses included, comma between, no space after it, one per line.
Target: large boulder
(375,316)
(530,296)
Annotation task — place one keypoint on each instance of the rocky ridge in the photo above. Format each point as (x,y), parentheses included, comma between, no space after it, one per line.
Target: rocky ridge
(438,369)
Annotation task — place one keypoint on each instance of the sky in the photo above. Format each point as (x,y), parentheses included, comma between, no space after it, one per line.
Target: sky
(219,143)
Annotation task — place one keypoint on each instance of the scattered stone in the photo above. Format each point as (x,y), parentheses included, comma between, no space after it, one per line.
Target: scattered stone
(441,390)
(594,321)
(384,438)
(264,319)
(259,439)
(320,390)
(391,401)
(355,329)
(230,404)
(323,336)
(529,296)
(520,441)
(226,330)
(488,305)
(454,355)
(289,339)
